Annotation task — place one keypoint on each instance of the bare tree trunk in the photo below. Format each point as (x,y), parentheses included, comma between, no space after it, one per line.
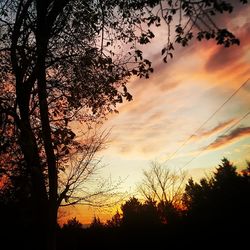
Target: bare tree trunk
(51,160)
(28,141)
(30,150)
(38,187)
(42,42)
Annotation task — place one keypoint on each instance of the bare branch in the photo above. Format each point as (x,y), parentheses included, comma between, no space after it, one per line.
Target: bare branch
(162,184)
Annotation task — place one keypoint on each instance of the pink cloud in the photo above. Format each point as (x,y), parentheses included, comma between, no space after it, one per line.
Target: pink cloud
(233,136)
(214,130)
(222,57)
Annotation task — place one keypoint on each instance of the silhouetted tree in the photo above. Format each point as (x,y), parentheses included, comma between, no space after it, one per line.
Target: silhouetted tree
(79,179)
(151,214)
(246,172)
(96,224)
(165,187)
(73,224)
(60,62)
(70,234)
(221,202)
(115,221)
(139,215)
(131,213)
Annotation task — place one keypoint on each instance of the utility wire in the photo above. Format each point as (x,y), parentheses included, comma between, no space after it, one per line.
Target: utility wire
(201,151)
(206,121)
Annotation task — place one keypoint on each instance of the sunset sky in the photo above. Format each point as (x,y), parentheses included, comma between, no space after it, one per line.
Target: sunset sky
(177,99)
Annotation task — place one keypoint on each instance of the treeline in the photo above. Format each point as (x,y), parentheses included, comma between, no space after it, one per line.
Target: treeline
(208,214)
(211,213)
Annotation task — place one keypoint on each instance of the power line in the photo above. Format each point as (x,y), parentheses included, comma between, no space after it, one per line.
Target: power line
(201,151)
(206,121)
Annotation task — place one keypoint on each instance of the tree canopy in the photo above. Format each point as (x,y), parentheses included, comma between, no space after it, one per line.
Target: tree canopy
(221,199)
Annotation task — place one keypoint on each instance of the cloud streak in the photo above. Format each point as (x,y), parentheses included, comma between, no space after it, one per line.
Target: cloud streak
(234,136)
(221,126)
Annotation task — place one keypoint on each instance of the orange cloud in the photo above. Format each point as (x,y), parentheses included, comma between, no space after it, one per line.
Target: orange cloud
(235,135)
(223,58)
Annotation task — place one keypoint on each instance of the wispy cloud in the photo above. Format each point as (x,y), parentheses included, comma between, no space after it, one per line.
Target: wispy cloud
(180,95)
(233,136)
(220,127)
